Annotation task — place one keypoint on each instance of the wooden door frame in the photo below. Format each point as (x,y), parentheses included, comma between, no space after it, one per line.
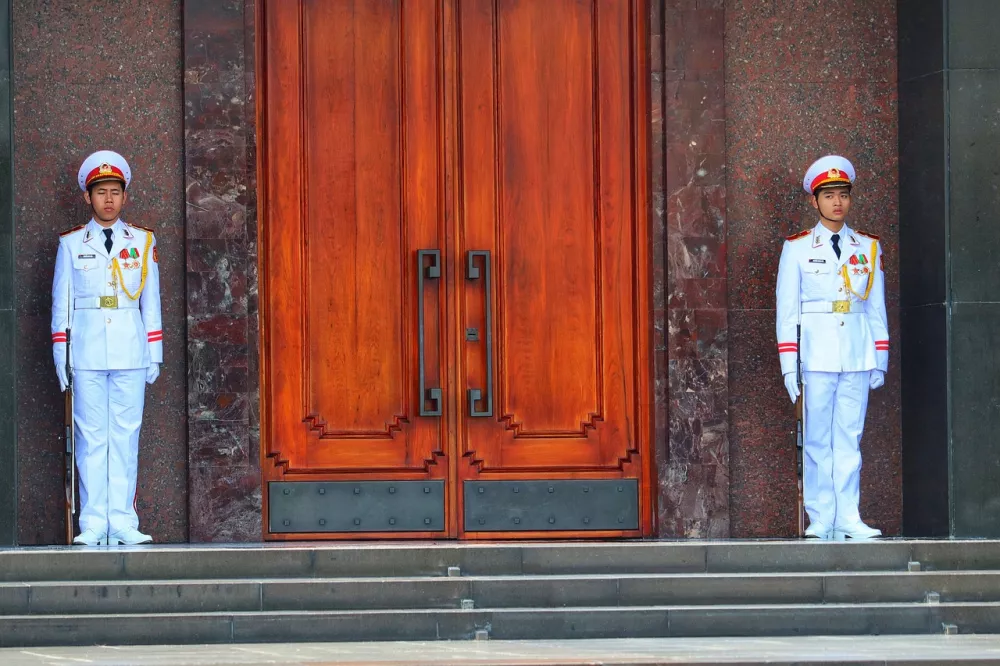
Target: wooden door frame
(640,114)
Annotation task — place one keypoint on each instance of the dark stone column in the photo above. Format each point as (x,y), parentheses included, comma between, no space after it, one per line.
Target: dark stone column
(949,140)
(8,337)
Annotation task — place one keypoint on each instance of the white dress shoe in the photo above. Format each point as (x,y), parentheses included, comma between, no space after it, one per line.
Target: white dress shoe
(857,531)
(818,531)
(90,538)
(129,537)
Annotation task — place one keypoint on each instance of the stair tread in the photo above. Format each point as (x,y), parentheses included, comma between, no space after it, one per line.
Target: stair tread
(535,610)
(501,578)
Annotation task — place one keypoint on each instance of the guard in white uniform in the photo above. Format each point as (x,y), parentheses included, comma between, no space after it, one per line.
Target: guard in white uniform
(831,287)
(106,290)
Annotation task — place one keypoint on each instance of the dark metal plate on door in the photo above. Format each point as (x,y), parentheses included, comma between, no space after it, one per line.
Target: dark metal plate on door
(544,506)
(355,506)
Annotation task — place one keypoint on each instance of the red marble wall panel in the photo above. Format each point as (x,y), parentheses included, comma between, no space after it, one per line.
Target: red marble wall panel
(84,81)
(803,79)
(221,187)
(693,452)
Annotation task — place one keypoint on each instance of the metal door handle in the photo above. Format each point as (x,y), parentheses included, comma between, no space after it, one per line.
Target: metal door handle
(472,273)
(432,271)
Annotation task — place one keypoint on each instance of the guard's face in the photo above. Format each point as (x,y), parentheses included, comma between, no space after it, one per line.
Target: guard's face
(107,200)
(833,203)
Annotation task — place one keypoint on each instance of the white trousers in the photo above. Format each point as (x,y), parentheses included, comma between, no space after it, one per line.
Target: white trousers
(835,406)
(107,412)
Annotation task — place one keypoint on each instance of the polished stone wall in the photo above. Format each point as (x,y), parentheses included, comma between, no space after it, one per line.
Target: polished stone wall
(221,221)
(803,79)
(8,315)
(744,95)
(88,76)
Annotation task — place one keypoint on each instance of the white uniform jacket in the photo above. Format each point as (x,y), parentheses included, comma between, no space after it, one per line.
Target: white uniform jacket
(125,337)
(842,331)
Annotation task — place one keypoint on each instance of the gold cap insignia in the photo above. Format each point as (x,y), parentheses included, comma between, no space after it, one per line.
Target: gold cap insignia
(104,168)
(833,173)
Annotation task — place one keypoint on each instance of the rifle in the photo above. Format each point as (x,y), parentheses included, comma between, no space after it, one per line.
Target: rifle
(799,433)
(69,473)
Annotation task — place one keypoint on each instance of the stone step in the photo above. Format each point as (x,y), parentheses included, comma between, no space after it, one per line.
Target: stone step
(509,624)
(422,559)
(557,591)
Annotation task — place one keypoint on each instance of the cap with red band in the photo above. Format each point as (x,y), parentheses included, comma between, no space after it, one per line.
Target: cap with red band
(104,165)
(828,171)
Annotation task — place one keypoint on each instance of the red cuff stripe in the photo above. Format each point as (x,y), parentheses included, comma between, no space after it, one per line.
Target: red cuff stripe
(155,338)
(154,332)
(58,337)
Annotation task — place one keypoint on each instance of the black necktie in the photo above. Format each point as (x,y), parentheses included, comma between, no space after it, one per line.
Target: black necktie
(108,243)
(834,238)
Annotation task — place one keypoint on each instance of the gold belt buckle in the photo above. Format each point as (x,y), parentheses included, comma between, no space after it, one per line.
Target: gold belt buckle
(109,301)
(841,307)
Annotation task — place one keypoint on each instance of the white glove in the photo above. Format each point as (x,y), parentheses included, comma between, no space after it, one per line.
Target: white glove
(152,372)
(59,356)
(876,379)
(792,385)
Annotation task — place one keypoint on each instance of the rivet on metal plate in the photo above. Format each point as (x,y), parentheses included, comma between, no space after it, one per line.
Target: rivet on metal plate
(586,489)
(357,491)
(427,521)
(552,521)
(517,521)
(392,490)
(482,521)
(516,489)
(286,522)
(322,521)
(586,521)
(427,490)
(392,521)
(551,489)
(287,491)
(481,490)
(322,491)
(357,521)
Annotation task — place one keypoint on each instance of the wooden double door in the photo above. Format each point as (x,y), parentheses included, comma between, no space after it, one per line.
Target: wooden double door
(454,268)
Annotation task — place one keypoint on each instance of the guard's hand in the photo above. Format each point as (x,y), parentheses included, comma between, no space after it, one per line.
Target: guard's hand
(876,379)
(792,385)
(61,374)
(59,356)
(152,372)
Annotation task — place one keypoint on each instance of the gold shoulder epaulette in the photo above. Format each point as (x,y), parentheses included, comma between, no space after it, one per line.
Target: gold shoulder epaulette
(73,230)
(865,233)
(801,234)
(136,226)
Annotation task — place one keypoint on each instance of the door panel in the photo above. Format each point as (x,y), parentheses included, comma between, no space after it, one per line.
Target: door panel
(548,188)
(354,190)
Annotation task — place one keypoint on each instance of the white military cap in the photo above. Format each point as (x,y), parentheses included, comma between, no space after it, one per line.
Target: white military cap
(104,165)
(828,171)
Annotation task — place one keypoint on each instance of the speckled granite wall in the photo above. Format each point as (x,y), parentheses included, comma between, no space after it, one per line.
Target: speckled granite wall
(89,76)
(221,189)
(803,78)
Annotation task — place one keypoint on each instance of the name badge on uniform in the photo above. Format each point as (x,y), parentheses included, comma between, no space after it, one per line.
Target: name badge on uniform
(86,256)
(817,261)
